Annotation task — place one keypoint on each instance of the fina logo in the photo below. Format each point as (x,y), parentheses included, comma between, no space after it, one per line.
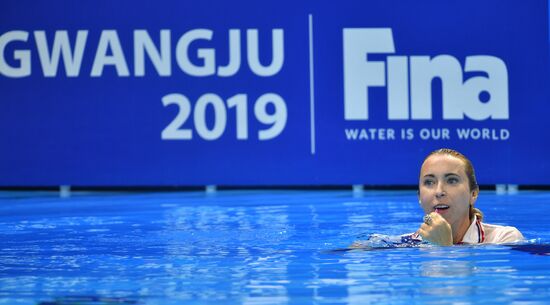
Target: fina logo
(460,98)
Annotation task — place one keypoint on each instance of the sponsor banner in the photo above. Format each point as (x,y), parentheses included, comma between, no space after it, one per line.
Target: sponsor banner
(272,93)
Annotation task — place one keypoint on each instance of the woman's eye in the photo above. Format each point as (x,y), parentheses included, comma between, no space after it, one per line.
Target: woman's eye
(428,182)
(452,180)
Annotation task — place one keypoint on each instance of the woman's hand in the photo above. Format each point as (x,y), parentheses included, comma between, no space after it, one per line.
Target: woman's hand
(436,230)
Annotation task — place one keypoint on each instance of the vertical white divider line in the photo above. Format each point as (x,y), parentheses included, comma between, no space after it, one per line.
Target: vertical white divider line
(311,86)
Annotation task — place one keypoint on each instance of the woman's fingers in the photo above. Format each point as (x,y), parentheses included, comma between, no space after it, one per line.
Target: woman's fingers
(423,230)
(437,230)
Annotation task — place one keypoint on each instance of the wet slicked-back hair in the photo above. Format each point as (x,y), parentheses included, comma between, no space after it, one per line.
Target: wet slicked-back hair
(468,169)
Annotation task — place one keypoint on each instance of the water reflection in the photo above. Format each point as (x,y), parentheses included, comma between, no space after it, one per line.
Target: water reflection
(248,241)
(450,274)
(244,249)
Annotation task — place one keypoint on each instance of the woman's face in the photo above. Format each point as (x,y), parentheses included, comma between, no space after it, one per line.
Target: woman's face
(444,188)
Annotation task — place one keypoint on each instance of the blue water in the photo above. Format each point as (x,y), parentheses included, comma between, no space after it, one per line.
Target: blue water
(258,247)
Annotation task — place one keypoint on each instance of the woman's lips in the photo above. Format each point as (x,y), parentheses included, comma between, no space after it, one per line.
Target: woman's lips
(440,208)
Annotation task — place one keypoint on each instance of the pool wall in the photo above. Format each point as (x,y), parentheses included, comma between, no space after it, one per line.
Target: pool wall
(241,93)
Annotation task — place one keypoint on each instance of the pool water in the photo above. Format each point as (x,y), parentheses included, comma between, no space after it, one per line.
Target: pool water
(258,247)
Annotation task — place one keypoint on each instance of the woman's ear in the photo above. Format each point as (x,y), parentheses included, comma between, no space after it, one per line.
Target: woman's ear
(474,196)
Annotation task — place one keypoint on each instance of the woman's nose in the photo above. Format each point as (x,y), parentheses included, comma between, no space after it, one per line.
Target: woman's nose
(440,191)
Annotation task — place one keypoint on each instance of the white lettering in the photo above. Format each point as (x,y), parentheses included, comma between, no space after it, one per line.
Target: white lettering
(351,134)
(207,55)
(161,60)
(370,134)
(234,55)
(398,88)
(61,47)
(496,85)
(423,71)
(359,73)
(483,134)
(22,56)
(460,98)
(195,61)
(435,133)
(269,109)
(254,56)
(109,40)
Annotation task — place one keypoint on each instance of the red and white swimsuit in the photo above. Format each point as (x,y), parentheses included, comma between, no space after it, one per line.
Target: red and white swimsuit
(482,233)
(485,233)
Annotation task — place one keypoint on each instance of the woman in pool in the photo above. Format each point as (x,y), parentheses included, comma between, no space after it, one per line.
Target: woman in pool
(447,192)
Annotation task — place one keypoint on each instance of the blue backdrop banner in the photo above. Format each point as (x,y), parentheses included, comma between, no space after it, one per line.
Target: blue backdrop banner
(130,93)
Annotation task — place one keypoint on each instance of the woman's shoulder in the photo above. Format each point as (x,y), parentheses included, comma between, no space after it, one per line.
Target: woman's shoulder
(501,234)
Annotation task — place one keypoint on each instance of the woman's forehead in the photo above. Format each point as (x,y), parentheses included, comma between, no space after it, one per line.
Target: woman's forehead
(443,162)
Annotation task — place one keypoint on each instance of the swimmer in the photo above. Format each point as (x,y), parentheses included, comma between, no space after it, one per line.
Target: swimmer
(447,192)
